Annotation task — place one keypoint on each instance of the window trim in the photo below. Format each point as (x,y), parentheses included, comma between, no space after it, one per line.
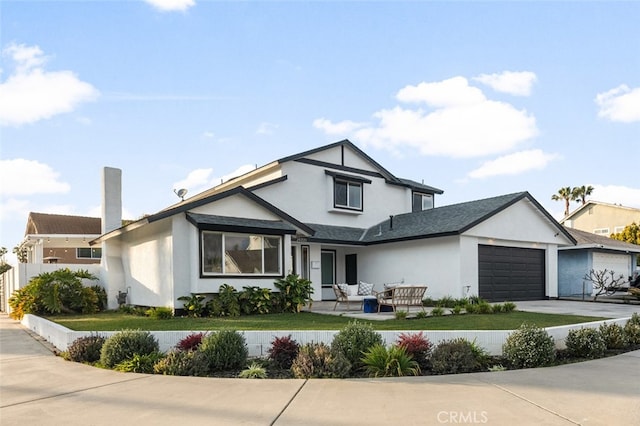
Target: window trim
(224,234)
(602,231)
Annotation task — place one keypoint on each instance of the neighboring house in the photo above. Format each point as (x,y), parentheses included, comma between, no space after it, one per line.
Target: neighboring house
(601,218)
(53,241)
(331,214)
(55,238)
(595,252)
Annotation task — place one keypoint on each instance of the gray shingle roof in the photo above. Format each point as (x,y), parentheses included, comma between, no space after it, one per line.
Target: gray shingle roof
(584,238)
(338,234)
(239,222)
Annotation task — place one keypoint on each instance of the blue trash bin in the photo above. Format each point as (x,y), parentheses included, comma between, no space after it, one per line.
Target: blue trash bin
(370,305)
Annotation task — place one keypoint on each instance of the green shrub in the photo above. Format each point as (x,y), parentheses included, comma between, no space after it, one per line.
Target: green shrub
(283,351)
(614,336)
(471,308)
(508,307)
(585,343)
(226,303)
(160,313)
(139,363)
(632,329)
(421,315)
(393,362)
(529,347)
(316,360)
(101,295)
(294,293)
(224,350)
(353,340)
(484,308)
(183,363)
(256,300)
(400,315)
(438,311)
(86,349)
(497,308)
(254,371)
(456,310)
(124,344)
(56,292)
(446,302)
(194,305)
(454,356)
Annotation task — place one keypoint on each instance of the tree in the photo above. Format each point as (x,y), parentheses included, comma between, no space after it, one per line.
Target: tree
(580,193)
(630,234)
(4,266)
(565,194)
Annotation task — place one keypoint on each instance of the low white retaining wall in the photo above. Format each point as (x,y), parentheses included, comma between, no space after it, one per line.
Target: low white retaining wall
(259,342)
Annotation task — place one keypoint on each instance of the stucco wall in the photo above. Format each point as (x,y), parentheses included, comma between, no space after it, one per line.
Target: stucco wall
(572,265)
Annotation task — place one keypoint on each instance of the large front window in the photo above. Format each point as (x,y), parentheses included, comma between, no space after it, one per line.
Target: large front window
(241,254)
(88,253)
(348,194)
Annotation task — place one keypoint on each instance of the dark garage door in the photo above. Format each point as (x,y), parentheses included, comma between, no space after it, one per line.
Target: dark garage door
(509,273)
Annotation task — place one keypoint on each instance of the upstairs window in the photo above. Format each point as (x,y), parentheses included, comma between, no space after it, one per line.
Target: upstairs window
(602,231)
(421,201)
(347,195)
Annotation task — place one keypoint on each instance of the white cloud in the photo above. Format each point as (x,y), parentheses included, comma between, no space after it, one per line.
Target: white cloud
(199,180)
(13,208)
(171,5)
(31,93)
(514,164)
(41,179)
(343,127)
(447,93)
(616,194)
(266,128)
(620,104)
(462,122)
(195,179)
(208,135)
(515,83)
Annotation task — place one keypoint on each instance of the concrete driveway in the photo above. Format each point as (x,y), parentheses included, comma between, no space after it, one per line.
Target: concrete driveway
(38,388)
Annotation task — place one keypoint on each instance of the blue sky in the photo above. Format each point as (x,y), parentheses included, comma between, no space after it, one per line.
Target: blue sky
(478,99)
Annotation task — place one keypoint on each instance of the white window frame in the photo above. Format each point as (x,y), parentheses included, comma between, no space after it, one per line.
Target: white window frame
(349,184)
(618,229)
(602,231)
(223,255)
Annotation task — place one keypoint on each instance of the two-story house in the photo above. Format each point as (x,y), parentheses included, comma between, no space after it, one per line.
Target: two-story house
(331,214)
(601,218)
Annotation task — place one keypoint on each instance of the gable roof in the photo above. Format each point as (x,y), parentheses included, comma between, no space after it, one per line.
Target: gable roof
(52,224)
(384,173)
(442,221)
(596,203)
(235,224)
(190,204)
(589,240)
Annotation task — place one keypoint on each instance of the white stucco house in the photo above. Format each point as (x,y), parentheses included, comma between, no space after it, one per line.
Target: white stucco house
(331,215)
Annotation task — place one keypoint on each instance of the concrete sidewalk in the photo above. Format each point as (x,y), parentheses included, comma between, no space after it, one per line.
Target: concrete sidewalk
(37,387)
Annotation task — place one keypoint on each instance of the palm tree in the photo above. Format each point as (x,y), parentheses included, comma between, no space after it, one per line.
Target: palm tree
(580,193)
(565,194)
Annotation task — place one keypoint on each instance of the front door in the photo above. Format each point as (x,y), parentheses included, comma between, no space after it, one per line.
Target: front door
(328,273)
(351,268)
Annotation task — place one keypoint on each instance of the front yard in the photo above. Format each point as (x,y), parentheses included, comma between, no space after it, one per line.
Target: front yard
(112,321)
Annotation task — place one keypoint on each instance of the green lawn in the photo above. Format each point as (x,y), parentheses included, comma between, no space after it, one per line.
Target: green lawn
(112,321)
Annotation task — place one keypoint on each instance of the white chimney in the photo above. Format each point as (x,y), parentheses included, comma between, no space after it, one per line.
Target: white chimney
(111,199)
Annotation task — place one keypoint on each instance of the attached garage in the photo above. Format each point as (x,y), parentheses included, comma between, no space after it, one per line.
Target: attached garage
(510,273)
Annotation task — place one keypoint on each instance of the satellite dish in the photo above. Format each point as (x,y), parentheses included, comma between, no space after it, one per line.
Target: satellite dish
(180,193)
